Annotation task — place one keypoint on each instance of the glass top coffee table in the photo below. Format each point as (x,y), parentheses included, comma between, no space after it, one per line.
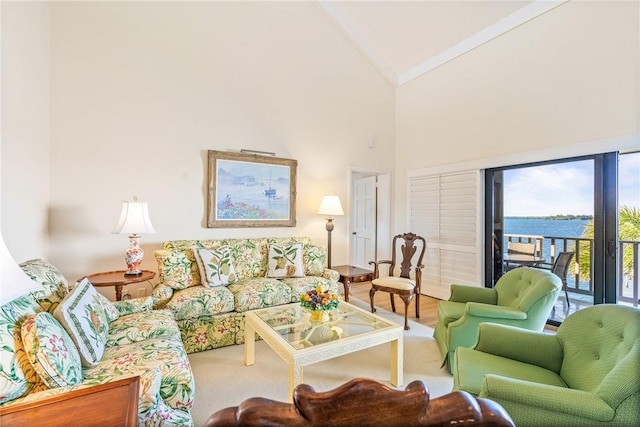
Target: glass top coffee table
(289,331)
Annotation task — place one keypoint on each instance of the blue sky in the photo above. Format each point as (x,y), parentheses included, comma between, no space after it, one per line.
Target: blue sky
(565,188)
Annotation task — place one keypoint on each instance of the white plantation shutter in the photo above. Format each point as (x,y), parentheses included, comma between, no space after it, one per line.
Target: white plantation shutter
(445,209)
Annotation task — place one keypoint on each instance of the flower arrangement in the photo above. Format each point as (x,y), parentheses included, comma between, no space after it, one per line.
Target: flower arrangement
(318,299)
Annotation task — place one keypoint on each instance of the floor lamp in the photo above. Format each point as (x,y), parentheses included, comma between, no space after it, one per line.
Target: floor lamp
(330,207)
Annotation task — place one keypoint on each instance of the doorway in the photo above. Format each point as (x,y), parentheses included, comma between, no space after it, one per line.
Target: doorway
(369,217)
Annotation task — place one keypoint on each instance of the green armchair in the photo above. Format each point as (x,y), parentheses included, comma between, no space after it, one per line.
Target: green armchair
(522,297)
(587,374)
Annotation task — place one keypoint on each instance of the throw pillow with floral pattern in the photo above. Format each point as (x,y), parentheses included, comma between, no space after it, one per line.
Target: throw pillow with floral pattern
(177,268)
(51,351)
(285,261)
(216,266)
(110,309)
(82,315)
(314,259)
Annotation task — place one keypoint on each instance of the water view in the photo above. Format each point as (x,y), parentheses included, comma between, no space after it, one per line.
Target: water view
(544,227)
(530,198)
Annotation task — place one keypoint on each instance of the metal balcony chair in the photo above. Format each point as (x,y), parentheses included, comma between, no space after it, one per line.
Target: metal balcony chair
(404,281)
(560,268)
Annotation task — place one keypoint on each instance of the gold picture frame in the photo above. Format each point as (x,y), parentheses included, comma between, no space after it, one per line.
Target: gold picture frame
(249,190)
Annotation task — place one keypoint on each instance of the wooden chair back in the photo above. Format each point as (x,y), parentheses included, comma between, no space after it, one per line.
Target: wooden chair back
(364,402)
(403,253)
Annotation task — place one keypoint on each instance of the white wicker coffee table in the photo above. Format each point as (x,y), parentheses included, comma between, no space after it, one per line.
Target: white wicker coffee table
(287,329)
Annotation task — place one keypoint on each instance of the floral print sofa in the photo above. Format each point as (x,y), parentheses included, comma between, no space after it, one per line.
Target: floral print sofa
(137,341)
(213,316)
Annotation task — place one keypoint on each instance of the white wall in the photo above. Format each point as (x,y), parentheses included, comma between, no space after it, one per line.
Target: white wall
(568,77)
(102,101)
(140,92)
(24,153)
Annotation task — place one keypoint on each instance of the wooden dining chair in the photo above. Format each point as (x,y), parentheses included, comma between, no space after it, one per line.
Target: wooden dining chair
(404,275)
(366,403)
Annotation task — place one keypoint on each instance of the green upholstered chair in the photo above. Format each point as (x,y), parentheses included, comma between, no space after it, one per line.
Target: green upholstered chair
(523,297)
(587,374)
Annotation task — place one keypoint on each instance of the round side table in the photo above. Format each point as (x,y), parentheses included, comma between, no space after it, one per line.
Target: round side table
(118,279)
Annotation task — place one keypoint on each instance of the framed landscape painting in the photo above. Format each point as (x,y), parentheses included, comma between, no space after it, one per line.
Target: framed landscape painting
(249,190)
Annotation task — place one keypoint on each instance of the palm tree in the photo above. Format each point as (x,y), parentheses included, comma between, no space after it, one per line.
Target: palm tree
(629,229)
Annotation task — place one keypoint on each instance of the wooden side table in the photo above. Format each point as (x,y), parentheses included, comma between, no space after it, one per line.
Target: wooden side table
(350,274)
(118,279)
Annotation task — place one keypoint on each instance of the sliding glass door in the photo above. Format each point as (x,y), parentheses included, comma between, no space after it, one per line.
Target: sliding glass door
(568,206)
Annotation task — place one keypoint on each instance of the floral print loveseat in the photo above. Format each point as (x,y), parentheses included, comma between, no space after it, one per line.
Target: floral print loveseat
(38,360)
(211,316)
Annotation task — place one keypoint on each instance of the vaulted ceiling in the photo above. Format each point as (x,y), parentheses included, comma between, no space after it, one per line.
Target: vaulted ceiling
(406,39)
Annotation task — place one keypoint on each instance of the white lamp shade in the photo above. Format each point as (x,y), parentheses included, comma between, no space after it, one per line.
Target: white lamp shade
(14,281)
(330,206)
(134,219)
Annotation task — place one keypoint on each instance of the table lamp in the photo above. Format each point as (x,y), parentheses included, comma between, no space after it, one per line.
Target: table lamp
(134,220)
(14,281)
(331,207)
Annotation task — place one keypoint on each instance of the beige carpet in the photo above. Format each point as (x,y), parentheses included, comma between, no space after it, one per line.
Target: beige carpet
(223,380)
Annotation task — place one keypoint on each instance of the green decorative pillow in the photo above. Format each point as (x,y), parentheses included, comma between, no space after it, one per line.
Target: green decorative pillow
(285,261)
(51,351)
(313,261)
(216,268)
(53,285)
(110,309)
(17,376)
(177,268)
(82,315)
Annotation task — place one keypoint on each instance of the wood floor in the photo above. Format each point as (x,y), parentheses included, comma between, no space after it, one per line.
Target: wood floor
(428,305)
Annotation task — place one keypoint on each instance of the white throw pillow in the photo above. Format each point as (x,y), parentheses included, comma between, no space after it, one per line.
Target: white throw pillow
(285,260)
(51,351)
(216,266)
(83,317)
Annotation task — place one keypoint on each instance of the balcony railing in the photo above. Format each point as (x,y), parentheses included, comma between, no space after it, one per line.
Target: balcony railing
(549,246)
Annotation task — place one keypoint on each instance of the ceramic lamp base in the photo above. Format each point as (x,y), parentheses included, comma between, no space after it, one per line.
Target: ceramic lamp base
(133,256)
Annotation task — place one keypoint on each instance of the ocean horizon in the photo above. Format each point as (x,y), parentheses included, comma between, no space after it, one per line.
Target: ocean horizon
(569,228)
(545,227)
